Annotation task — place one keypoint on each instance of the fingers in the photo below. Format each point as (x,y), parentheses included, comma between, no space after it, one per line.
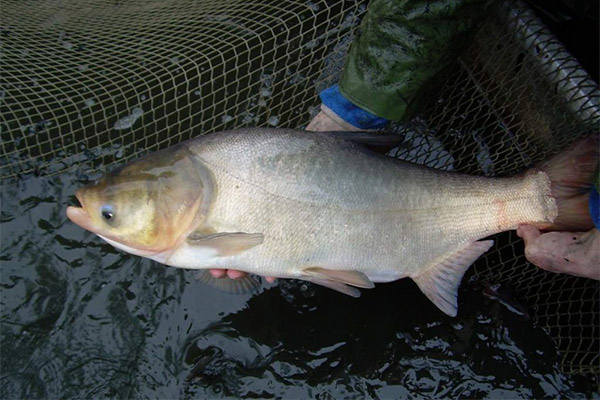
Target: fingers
(528,233)
(323,122)
(234,274)
(218,273)
(573,253)
(229,273)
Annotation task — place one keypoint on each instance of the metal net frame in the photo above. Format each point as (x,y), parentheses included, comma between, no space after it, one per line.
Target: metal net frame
(86,84)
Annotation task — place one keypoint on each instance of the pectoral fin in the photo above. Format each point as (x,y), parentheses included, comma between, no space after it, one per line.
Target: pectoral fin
(226,244)
(246,284)
(440,283)
(352,278)
(341,281)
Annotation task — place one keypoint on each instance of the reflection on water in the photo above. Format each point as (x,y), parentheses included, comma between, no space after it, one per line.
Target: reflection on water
(82,319)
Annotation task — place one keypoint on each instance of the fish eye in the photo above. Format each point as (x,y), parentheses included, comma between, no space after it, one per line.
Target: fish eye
(107,212)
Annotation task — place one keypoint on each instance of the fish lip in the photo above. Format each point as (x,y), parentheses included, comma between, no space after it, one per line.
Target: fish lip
(79,215)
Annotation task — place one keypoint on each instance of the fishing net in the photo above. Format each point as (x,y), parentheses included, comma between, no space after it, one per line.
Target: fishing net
(86,84)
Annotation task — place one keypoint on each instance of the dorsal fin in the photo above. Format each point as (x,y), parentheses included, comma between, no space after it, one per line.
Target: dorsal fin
(372,140)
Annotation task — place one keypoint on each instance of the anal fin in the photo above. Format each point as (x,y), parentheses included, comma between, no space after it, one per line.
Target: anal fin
(440,283)
(246,284)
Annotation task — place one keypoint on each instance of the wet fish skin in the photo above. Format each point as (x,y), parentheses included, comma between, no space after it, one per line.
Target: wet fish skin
(312,206)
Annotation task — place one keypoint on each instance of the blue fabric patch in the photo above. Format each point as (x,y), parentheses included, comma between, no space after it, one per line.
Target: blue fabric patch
(595,206)
(350,113)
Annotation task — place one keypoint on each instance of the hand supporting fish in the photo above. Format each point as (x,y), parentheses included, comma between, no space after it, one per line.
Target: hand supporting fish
(234,274)
(321,208)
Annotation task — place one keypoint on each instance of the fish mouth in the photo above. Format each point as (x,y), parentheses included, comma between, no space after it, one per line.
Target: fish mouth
(79,215)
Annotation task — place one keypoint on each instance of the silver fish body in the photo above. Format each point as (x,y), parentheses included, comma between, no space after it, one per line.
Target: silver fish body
(313,206)
(324,202)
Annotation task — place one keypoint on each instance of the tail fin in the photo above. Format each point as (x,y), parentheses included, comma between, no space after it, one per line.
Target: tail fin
(571,175)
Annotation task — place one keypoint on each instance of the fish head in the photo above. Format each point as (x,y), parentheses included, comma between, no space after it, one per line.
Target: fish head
(148,206)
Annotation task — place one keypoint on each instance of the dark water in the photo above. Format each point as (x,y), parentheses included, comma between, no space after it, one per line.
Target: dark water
(81,320)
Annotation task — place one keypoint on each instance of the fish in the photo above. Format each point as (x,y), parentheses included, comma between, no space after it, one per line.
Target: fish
(322,208)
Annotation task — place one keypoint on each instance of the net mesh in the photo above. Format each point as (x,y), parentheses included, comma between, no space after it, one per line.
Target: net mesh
(87,82)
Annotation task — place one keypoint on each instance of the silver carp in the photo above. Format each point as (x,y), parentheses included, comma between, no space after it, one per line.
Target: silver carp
(310,206)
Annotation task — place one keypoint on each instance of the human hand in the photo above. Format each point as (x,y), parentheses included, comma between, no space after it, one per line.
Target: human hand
(574,253)
(328,121)
(234,274)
